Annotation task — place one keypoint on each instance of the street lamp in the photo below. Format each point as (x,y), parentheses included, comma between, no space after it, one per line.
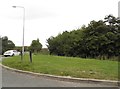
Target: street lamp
(23,27)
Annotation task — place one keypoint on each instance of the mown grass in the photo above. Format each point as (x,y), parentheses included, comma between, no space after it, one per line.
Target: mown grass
(66,66)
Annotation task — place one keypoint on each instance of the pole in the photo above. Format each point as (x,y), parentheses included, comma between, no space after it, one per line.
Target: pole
(23,31)
(23,28)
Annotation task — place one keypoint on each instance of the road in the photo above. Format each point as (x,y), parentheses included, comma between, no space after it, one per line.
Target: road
(14,79)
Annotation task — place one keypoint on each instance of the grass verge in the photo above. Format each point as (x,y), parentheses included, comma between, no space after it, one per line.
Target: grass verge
(66,66)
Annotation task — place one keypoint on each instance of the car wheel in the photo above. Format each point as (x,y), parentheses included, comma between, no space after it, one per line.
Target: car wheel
(13,54)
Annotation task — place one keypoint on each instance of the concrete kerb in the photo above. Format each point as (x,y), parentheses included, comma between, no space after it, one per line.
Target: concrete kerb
(65,78)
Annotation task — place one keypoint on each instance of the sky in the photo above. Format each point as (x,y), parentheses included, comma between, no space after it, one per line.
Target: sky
(46,18)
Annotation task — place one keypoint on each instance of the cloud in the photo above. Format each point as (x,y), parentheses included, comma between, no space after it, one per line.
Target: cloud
(36,13)
(30,13)
(119,8)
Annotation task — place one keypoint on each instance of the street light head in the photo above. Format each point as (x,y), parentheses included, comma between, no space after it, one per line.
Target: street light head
(14,6)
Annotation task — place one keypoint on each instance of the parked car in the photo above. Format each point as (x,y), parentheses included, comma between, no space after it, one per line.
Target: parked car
(11,53)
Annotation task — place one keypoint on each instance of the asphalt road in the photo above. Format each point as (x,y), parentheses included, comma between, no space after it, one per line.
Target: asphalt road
(15,79)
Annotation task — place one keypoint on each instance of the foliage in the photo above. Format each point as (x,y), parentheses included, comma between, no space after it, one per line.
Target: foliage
(98,39)
(44,51)
(35,46)
(7,44)
(19,48)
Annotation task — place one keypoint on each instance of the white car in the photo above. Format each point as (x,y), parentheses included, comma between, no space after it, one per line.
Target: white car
(11,53)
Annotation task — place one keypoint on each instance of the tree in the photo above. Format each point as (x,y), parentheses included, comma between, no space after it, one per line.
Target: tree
(110,19)
(7,44)
(98,39)
(63,44)
(35,46)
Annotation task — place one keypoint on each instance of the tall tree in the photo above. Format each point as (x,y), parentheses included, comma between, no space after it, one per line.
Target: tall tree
(98,39)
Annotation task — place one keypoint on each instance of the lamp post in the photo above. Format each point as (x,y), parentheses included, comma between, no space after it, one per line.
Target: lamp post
(23,27)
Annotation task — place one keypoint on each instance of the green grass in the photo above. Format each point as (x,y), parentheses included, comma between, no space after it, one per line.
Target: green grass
(66,66)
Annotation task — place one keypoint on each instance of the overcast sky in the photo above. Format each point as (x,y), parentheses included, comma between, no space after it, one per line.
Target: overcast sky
(45,18)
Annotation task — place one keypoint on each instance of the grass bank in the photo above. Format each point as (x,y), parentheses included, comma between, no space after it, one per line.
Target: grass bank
(66,66)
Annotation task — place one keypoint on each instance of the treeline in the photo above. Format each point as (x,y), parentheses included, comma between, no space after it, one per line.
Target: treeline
(98,39)
(6,44)
(35,47)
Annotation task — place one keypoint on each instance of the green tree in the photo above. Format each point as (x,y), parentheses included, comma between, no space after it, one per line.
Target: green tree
(7,44)
(110,19)
(98,39)
(35,46)
(63,43)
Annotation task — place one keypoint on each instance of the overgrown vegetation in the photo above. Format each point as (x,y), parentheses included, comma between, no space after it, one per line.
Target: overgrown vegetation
(100,39)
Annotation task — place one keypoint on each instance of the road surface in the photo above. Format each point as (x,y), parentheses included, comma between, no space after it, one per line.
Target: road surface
(15,79)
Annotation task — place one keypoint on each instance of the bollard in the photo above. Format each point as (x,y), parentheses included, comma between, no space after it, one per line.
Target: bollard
(21,56)
(30,56)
